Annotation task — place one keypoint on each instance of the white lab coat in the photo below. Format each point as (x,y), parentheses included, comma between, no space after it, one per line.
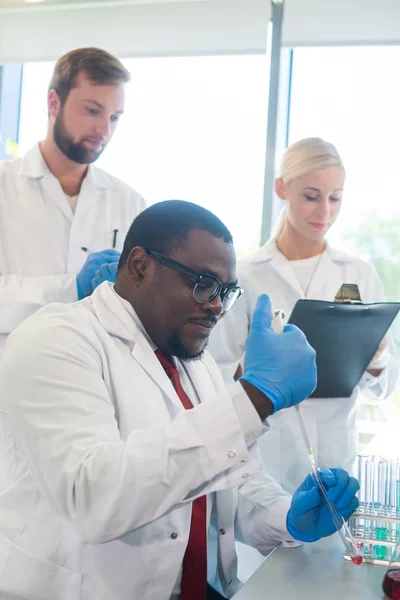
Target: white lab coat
(41,239)
(105,461)
(331,422)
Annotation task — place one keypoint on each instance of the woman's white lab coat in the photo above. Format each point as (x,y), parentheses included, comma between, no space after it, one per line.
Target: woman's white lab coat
(41,239)
(105,461)
(331,422)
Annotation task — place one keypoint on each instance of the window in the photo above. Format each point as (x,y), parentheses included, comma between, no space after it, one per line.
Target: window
(193,129)
(350,96)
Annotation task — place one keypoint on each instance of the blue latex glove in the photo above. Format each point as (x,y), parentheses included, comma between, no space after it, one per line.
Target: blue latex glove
(308,518)
(281,365)
(105,273)
(92,264)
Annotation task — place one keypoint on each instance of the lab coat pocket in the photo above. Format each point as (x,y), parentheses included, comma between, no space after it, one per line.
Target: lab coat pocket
(27,577)
(116,238)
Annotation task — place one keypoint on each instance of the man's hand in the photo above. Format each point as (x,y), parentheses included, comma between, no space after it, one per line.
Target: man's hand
(308,518)
(86,277)
(107,272)
(280,365)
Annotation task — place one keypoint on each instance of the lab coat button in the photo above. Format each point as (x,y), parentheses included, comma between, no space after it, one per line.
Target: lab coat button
(244,460)
(222,531)
(231,454)
(245,476)
(174,535)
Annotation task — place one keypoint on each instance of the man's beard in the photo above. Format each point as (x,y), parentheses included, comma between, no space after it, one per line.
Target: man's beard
(75,151)
(179,350)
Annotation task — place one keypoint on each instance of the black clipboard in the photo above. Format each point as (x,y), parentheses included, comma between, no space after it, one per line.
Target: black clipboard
(345,337)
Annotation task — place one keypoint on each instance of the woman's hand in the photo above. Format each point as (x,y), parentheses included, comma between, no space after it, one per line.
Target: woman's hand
(372,367)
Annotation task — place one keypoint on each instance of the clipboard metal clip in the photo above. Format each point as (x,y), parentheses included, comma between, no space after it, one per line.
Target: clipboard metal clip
(348,293)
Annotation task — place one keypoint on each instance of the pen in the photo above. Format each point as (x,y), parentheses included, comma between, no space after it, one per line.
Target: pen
(115,238)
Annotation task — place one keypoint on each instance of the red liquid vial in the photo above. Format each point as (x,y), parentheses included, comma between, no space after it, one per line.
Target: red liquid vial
(391,584)
(357,560)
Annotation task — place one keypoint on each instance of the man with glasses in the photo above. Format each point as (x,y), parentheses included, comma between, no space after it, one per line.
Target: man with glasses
(142,465)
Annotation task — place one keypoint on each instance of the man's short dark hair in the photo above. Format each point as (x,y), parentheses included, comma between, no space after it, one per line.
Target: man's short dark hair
(166,225)
(99,66)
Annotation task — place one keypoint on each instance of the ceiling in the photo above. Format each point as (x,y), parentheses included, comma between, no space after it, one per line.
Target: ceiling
(54,4)
(22,3)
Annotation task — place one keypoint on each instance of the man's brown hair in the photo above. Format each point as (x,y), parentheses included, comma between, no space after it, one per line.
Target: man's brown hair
(100,67)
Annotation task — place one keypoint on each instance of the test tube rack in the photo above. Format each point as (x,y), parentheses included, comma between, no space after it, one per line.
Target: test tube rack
(376,524)
(376,531)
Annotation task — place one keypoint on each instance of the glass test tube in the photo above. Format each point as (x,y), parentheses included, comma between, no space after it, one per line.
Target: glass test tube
(368,495)
(361,471)
(368,484)
(396,477)
(381,529)
(358,524)
(391,486)
(391,498)
(375,485)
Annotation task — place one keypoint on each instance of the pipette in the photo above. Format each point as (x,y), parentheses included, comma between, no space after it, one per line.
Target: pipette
(340,524)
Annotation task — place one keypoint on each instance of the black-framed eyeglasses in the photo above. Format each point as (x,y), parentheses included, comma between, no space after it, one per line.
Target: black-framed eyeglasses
(206,287)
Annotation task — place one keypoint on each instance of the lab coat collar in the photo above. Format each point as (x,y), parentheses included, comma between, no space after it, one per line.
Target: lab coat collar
(120,319)
(270,251)
(117,316)
(34,166)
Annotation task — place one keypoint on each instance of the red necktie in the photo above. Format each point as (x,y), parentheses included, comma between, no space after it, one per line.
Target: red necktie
(194,576)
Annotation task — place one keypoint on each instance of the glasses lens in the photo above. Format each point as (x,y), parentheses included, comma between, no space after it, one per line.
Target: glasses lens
(230,297)
(205,289)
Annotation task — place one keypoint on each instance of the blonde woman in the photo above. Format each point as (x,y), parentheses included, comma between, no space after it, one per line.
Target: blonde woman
(299,263)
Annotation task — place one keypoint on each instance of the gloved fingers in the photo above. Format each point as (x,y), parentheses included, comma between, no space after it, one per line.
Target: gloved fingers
(335,482)
(348,494)
(108,268)
(298,335)
(262,314)
(101,273)
(98,278)
(106,272)
(337,487)
(290,327)
(304,502)
(328,477)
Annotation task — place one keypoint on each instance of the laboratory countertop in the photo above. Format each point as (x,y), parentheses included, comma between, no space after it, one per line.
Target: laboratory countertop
(315,571)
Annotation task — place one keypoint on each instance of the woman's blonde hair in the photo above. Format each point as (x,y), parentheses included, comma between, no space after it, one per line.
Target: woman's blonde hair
(302,157)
